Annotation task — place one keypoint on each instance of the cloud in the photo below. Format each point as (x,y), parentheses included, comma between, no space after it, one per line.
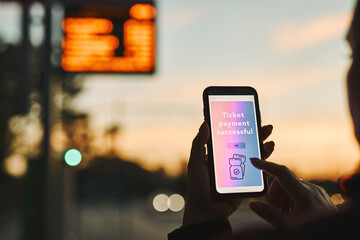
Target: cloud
(294,36)
(181,18)
(292,79)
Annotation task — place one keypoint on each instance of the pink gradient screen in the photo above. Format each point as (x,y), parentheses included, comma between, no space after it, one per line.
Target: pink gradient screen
(234,140)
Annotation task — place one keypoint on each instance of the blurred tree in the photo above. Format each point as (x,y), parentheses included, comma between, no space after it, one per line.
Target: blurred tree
(112,178)
(112,133)
(73,124)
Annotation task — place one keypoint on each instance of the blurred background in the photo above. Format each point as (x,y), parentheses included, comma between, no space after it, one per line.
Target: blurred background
(100,101)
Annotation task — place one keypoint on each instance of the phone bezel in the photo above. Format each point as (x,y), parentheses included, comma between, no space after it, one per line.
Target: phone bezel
(232,90)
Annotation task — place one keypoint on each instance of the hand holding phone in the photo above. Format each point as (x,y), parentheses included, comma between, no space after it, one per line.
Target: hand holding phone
(202,205)
(233,116)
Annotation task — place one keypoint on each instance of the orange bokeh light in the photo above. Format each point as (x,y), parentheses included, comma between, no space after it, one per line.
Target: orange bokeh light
(143,11)
(88,45)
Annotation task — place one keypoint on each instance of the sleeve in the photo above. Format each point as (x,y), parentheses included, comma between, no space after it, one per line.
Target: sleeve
(215,229)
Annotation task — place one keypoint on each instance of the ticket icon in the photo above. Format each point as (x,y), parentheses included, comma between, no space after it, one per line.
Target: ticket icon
(237,166)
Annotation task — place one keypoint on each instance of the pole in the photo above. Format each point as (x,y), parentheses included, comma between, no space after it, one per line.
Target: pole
(46,122)
(24,61)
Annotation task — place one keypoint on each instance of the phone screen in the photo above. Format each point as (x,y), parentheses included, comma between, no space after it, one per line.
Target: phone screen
(235,139)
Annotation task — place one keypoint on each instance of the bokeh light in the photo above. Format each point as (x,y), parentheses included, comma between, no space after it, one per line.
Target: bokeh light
(73,157)
(16,165)
(163,202)
(160,202)
(176,202)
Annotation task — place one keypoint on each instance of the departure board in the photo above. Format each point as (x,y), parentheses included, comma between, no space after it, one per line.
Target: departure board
(106,38)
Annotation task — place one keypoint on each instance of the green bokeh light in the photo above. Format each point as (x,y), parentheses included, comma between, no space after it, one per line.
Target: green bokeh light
(73,157)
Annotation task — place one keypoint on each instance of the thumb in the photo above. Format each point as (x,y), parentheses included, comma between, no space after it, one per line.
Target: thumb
(201,138)
(269,213)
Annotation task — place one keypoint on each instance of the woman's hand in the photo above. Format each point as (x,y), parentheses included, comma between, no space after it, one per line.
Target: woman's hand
(291,200)
(201,204)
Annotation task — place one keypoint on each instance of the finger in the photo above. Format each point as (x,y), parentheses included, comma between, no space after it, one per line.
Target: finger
(266,131)
(268,149)
(321,192)
(198,148)
(279,198)
(290,183)
(269,213)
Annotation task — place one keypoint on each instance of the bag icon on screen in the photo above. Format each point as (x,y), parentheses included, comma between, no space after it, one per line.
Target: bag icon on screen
(237,167)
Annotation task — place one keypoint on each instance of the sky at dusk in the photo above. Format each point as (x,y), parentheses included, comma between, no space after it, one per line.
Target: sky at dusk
(293,52)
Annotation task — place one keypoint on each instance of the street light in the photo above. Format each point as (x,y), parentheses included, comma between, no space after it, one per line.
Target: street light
(72,157)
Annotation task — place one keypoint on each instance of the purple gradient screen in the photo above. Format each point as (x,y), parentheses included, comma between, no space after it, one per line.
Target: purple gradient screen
(235,141)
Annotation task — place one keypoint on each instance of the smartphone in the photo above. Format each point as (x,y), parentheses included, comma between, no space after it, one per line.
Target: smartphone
(233,116)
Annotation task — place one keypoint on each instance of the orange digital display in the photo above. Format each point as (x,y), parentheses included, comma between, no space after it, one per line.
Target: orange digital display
(102,44)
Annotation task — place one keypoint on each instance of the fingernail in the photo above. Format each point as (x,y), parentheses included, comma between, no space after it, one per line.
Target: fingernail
(256,162)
